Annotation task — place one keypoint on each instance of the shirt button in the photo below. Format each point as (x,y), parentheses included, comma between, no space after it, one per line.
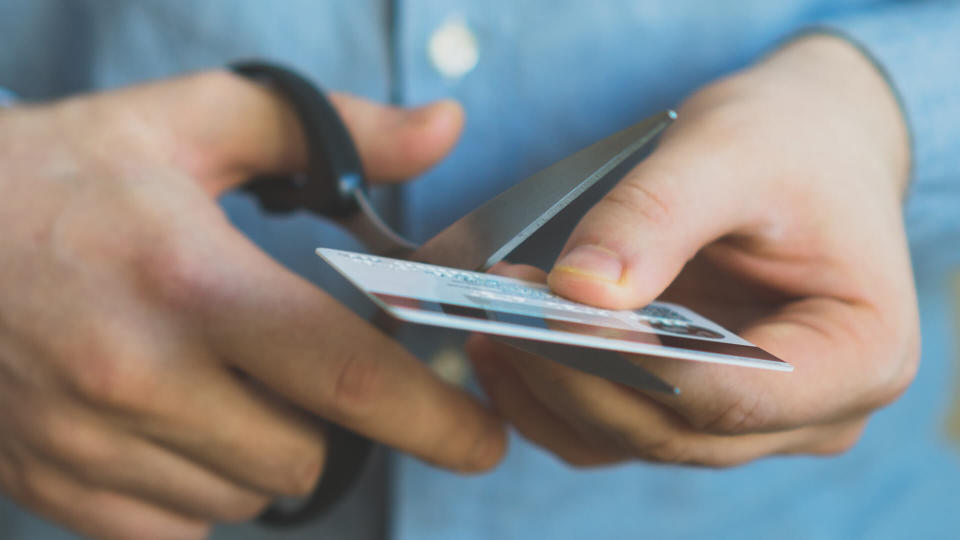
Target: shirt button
(451,365)
(453,49)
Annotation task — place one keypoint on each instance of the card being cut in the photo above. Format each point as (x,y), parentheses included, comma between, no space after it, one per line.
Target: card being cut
(528,312)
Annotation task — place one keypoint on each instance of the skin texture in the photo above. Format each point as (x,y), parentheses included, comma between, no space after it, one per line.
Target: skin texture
(772,206)
(158,372)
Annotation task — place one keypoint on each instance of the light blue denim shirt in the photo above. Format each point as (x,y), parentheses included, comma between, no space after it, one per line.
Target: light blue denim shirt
(550,77)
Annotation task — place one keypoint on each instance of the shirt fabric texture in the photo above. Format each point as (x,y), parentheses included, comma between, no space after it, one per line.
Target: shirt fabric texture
(551,78)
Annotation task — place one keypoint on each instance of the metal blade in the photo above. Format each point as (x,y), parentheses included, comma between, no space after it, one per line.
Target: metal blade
(610,365)
(485,236)
(367,227)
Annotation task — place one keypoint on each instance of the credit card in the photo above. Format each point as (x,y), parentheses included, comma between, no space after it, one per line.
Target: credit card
(522,310)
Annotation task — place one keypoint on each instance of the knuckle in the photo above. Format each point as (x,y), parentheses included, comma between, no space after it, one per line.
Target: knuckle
(103,363)
(668,450)
(744,414)
(638,443)
(291,472)
(302,480)
(32,487)
(242,507)
(97,378)
(895,381)
(907,372)
(679,450)
(177,274)
(483,452)
(112,380)
(894,388)
(75,444)
(843,442)
(642,199)
(358,384)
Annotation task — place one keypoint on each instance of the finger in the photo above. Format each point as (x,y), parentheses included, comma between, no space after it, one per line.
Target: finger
(727,399)
(242,432)
(261,134)
(585,402)
(97,454)
(634,242)
(397,143)
(168,386)
(97,513)
(515,403)
(633,424)
(174,483)
(818,336)
(519,271)
(306,347)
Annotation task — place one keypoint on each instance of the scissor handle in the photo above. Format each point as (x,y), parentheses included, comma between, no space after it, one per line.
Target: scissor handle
(347,455)
(334,173)
(332,185)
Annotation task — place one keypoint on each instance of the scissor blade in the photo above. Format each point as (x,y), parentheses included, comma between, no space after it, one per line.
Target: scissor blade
(610,365)
(485,236)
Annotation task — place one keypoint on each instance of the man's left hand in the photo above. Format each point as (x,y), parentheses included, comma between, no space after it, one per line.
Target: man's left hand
(772,206)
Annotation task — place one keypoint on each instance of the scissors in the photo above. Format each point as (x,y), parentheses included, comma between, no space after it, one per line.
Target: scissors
(334,186)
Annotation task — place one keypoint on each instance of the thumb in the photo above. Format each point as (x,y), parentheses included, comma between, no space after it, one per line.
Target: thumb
(230,129)
(632,244)
(398,143)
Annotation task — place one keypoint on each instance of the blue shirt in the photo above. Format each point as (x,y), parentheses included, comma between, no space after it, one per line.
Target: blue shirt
(551,77)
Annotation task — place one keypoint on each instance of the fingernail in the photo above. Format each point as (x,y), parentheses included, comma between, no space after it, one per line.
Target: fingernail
(590,261)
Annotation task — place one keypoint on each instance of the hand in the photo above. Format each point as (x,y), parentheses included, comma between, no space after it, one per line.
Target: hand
(157,370)
(772,206)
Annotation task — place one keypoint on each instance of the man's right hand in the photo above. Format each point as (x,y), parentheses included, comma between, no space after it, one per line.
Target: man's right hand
(159,372)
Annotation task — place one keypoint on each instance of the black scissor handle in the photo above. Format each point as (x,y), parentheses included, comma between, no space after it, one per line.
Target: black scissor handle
(334,172)
(347,456)
(331,185)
